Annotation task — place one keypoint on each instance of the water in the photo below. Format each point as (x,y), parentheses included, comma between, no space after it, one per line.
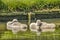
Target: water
(6,34)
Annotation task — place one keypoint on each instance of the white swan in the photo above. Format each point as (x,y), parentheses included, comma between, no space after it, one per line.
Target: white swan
(9,25)
(17,26)
(35,27)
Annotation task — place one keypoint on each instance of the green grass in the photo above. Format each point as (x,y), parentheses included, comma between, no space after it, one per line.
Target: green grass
(28,5)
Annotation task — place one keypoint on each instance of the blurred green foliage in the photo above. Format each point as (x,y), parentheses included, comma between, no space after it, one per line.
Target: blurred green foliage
(29,5)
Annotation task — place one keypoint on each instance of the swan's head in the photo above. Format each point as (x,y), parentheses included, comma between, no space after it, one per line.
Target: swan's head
(38,22)
(15,20)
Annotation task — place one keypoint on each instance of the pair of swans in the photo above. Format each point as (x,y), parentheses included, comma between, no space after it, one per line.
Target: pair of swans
(37,26)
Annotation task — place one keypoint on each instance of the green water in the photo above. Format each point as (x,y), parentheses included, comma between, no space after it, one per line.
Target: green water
(8,35)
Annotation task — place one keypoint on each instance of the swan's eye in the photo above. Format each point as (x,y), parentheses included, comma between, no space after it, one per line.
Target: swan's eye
(24,27)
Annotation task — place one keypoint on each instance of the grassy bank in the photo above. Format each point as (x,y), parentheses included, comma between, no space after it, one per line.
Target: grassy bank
(28,5)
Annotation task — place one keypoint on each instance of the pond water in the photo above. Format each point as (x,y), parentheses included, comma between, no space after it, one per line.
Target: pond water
(6,34)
